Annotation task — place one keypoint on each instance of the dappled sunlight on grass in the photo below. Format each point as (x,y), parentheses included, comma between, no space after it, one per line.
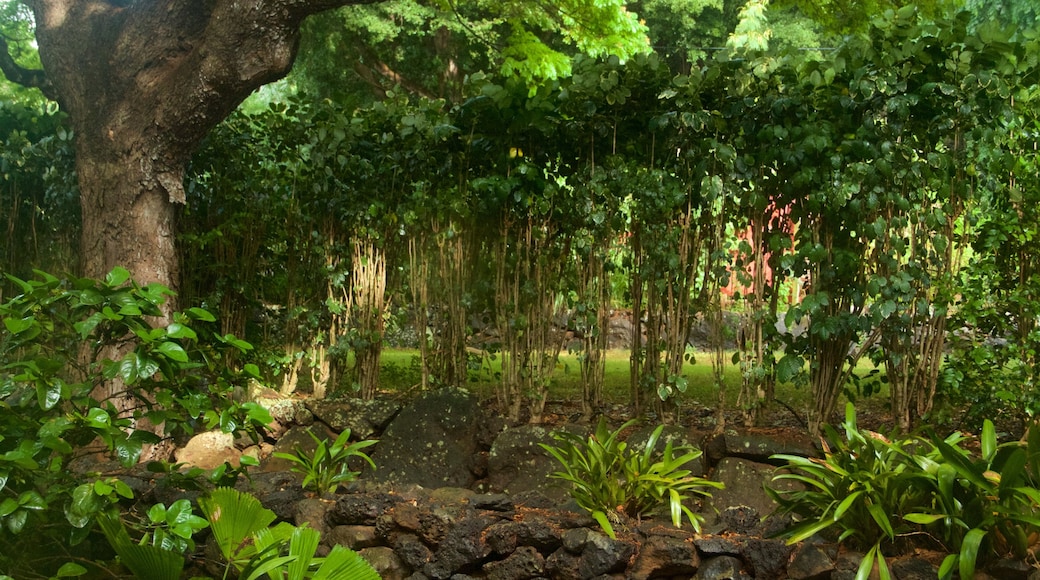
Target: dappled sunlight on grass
(400,372)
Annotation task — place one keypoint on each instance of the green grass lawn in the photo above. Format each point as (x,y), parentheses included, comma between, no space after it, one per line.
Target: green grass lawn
(400,372)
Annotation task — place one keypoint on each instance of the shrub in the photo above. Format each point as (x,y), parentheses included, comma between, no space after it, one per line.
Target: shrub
(328,466)
(862,487)
(878,493)
(52,344)
(610,479)
(984,507)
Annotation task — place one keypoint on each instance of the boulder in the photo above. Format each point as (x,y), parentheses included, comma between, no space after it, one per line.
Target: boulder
(385,562)
(759,447)
(517,462)
(811,561)
(663,556)
(364,418)
(523,564)
(432,442)
(744,481)
(209,450)
(722,568)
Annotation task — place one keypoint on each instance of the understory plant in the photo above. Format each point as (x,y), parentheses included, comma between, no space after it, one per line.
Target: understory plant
(253,548)
(986,506)
(87,369)
(325,468)
(611,479)
(878,494)
(861,488)
(241,529)
(159,553)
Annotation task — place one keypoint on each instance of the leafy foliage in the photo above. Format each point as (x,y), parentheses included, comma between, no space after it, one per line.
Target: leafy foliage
(52,363)
(982,507)
(611,479)
(325,468)
(864,486)
(878,494)
(243,532)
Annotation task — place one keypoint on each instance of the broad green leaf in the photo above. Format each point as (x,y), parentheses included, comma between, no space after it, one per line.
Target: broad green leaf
(176,330)
(19,325)
(970,552)
(988,440)
(604,522)
(15,522)
(924,519)
(117,277)
(48,393)
(70,570)
(173,351)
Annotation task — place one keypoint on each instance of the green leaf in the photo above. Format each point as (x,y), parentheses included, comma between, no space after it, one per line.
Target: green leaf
(15,522)
(144,560)
(175,330)
(157,513)
(173,351)
(924,519)
(70,570)
(845,505)
(988,440)
(19,325)
(788,367)
(48,393)
(117,277)
(970,552)
(604,522)
(200,314)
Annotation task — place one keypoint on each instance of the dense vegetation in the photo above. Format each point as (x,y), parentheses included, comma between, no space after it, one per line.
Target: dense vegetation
(879,194)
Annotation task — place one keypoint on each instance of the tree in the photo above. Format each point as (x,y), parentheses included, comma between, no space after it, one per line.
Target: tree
(144,82)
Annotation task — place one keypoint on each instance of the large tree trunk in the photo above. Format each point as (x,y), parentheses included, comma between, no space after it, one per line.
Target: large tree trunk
(143,83)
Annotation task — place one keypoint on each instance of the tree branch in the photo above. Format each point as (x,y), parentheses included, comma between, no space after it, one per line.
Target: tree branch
(20,75)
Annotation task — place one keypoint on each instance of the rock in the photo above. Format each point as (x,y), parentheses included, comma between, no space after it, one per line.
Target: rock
(523,564)
(846,564)
(505,537)
(811,562)
(385,562)
(311,512)
(743,480)
(766,558)
(353,537)
(759,448)
(431,442)
(412,551)
(496,502)
(280,492)
(517,462)
(598,553)
(364,418)
(717,546)
(740,519)
(361,509)
(1004,568)
(722,568)
(462,549)
(286,414)
(661,556)
(918,569)
(209,450)
(563,565)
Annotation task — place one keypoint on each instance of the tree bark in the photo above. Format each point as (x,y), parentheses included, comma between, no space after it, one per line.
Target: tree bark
(143,83)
